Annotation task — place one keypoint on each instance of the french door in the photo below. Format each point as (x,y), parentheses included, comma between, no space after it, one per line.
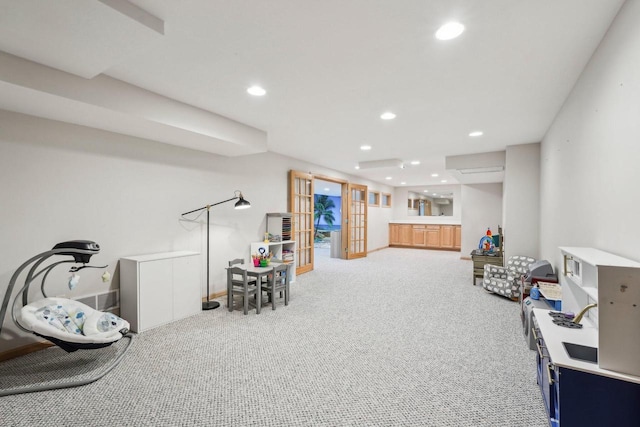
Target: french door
(301,208)
(357,221)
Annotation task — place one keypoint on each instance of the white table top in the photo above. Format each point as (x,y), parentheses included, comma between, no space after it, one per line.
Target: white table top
(258,270)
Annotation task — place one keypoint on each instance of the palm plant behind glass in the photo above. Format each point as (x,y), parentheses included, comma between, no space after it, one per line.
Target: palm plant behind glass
(323,206)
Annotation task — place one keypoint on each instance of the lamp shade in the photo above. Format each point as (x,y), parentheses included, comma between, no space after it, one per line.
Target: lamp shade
(242,203)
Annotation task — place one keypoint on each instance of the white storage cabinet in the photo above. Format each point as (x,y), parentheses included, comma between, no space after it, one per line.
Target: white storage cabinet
(156,289)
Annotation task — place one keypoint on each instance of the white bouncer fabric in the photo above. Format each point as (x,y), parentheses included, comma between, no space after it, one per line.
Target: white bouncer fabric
(71,321)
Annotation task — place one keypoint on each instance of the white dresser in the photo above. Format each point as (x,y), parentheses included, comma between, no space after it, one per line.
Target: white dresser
(156,289)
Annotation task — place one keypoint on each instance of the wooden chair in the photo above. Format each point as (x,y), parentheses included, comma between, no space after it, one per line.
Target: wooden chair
(278,282)
(238,284)
(240,261)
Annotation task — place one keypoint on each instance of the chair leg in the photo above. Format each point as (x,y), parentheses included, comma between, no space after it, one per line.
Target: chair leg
(246,301)
(286,295)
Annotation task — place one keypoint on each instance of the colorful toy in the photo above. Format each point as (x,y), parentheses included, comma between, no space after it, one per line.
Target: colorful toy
(486,243)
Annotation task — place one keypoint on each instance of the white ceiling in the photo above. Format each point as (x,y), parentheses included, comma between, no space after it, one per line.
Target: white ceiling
(330,69)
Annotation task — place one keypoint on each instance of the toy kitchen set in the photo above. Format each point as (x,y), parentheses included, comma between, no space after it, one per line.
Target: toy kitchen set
(588,355)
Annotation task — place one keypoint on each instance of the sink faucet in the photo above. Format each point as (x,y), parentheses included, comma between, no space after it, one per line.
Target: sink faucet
(578,318)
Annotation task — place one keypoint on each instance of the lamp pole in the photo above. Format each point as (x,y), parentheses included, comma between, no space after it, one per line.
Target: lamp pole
(209,305)
(240,204)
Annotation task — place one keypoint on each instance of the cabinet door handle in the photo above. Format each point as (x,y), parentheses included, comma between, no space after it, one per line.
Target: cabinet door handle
(549,373)
(540,347)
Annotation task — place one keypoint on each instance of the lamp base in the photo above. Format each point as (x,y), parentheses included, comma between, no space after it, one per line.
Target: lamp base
(210,305)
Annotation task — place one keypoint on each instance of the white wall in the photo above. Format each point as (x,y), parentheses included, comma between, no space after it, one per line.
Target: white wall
(482,209)
(590,156)
(378,227)
(521,200)
(63,182)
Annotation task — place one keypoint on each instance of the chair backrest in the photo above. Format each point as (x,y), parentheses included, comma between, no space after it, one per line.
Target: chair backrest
(236,262)
(237,275)
(519,265)
(281,271)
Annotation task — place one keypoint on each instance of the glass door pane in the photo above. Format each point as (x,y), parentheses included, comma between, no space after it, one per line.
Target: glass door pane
(357,221)
(301,203)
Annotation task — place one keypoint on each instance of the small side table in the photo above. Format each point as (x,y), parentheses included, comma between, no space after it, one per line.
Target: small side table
(480,258)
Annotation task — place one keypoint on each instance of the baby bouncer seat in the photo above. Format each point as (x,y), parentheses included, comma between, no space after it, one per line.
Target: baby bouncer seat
(69,324)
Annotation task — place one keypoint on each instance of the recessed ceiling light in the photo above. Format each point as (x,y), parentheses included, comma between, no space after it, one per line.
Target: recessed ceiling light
(256,91)
(449,31)
(434,175)
(476,133)
(389,177)
(365,147)
(426,191)
(435,194)
(402,183)
(388,116)
(357,167)
(415,162)
(444,180)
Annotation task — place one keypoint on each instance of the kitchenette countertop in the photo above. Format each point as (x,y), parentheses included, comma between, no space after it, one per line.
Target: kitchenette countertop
(435,220)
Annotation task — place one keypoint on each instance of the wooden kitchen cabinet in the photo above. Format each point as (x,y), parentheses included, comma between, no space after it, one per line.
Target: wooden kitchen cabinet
(446,236)
(426,236)
(394,234)
(457,237)
(419,235)
(400,234)
(433,236)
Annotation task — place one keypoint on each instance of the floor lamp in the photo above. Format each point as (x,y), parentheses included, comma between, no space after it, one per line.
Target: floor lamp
(240,204)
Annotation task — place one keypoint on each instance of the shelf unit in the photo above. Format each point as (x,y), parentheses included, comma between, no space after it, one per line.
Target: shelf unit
(285,251)
(279,224)
(280,227)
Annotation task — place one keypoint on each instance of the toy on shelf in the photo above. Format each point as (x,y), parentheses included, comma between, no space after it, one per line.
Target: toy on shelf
(486,242)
